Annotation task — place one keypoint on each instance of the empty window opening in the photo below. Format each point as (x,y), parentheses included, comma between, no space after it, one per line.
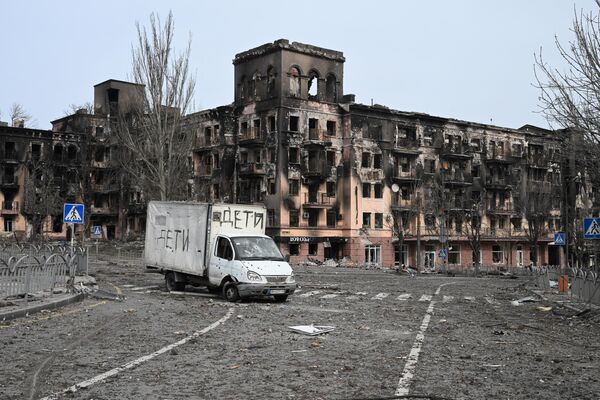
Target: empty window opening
(331,218)
(366,220)
(294,187)
(216,161)
(72,153)
(294,76)
(366,190)
(294,123)
(272,126)
(294,249)
(294,218)
(313,249)
(113,95)
(256,128)
(57,223)
(331,89)
(331,131)
(331,189)
(10,150)
(378,189)
(313,129)
(57,154)
(294,155)
(379,220)
(270,81)
(8,224)
(377,161)
(313,218)
(497,254)
(313,85)
(208,134)
(330,158)
(216,191)
(36,151)
(366,160)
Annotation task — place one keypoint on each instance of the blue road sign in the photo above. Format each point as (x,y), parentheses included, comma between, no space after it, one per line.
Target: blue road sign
(97,230)
(443,253)
(591,228)
(559,238)
(73,213)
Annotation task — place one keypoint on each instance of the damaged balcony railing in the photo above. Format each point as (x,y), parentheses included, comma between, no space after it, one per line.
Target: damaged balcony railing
(317,198)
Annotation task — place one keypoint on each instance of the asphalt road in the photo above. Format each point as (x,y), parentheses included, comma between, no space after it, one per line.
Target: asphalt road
(394,336)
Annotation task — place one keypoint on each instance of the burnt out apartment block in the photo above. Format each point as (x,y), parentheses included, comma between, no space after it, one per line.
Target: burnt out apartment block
(382,186)
(75,162)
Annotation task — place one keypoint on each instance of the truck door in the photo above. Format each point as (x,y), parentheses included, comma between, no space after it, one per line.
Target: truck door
(220,262)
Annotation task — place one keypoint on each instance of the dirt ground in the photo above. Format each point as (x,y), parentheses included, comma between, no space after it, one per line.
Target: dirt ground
(477,344)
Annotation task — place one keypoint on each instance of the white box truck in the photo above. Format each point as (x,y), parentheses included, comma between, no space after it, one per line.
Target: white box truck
(220,246)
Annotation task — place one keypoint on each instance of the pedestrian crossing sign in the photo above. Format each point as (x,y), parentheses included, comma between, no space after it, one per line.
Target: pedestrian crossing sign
(97,230)
(73,213)
(559,238)
(591,228)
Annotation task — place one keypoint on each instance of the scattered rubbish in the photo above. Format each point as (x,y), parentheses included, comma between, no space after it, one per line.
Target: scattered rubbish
(299,351)
(553,284)
(469,298)
(235,366)
(311,330)
(545,309)
(240,317)
(587,310)
(316,343)
(498,332)
(493,365)
(442,321)
(179,333)
(528,299)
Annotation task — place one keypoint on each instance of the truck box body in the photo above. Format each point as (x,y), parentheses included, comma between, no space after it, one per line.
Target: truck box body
(177,237)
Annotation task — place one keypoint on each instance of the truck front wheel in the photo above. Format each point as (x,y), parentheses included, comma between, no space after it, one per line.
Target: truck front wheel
(172,284)
(280,298)
(230,292)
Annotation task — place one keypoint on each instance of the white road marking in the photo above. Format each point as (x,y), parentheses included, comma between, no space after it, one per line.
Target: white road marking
(413,357)
(138,361)
(330,296)
(380,296)
(404,297)
(425,297)
(307,294)
(447,299)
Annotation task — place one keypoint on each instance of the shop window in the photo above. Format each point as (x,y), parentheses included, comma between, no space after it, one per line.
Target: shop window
(497,254)
(373,254)
(454,254)
(294,249)
(313,249)
(366,190)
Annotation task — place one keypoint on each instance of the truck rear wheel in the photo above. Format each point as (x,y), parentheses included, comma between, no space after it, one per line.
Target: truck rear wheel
(230,292)
(280,298)
(172,284)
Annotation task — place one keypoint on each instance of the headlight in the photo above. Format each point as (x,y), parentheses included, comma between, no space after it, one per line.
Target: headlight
(290,279)
(254,277)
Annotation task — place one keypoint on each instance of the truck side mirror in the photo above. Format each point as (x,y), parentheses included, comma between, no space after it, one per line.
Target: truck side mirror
(287,258)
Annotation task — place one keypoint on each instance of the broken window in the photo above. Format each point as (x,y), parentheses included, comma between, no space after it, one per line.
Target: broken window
(270,81)
(256,129)
(331,189)
(454,254)
(100,132)
(375,132)
(497,254)
(378,191)
(516,223)
(272,155)
(270,217)
(36,151)
(313,129)
(430,221)
(331,89)
(58,152)
(378,220)
(294,155)
(208,134)
(294,218)
(366,160)
(57,223)
(331,218)
(294,187)
(313,249)
(429,166)
(72,153)
(272,126)
(330,158)
(517,149)
(476,196)
(404,164)
(313,85)
(366,220)
(475,170)
(8,224)
(377,161)
(294,249)
(294,76)
(428,138)
(405,192)
(216,161)
(476,144)
(331,128)
(366,190)
(254,85)
(10,151)
(313,218)
(294,123)
(243,157)
(271,186)
(242,87)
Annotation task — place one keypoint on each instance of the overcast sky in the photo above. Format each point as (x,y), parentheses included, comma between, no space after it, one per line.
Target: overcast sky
(470,60)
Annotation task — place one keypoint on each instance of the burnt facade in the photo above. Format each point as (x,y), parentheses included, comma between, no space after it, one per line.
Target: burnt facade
(377,185)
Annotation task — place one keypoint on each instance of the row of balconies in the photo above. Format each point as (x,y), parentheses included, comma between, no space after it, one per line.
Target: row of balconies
(10,207)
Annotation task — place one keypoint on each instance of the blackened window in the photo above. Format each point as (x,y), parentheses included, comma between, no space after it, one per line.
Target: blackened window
(378,220)
(366,220)
(366,160)
(377,161)
(294,187)
(378,191)
(313,248)
(294,124)
(366,190)
(293,155)
(331,218)
(331,190)
(294,249)
(294,218)
(331,128)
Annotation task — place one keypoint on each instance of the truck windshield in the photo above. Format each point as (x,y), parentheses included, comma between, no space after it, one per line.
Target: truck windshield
(256,248)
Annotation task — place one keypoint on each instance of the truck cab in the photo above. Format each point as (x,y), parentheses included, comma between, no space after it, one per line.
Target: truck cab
(250,266)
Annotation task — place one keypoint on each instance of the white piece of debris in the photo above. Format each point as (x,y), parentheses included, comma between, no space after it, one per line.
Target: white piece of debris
(528,299)
(311,330)
(553,284)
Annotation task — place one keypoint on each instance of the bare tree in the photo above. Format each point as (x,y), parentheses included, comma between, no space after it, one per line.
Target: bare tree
(87,107)
(534,202)
(19,115)
(156,147)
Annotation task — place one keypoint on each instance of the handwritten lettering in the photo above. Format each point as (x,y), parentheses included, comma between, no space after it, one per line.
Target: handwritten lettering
(242,219)
(174,239)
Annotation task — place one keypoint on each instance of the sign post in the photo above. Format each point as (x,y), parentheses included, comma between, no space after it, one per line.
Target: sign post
(73,214)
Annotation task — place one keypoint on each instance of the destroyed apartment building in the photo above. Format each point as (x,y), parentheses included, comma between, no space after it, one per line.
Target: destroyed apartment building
(338,178)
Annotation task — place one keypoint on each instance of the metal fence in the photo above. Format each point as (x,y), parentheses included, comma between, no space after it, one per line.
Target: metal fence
(35,268)
(585,285)
(115,255)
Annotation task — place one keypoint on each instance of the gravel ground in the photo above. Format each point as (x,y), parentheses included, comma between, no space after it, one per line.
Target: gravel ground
(477,344)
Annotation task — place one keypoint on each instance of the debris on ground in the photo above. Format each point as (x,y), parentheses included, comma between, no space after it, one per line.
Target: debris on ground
(553,284)
(519,302)
(544,309)
(311,330)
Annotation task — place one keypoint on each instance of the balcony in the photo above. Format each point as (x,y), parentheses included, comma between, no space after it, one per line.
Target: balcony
(9,181)
(10,208)
(404,176)
(204,171)
(499,158)
(104,210)
(457,179)
(498,183)
(401,204)
(251,137)
(203,141)
(317,200)
(104,187)
(136,208)
(11,157)
(373,175)
(252,169)
(537,160)
(316,168)
(407,146)
(456,152)
(500,209)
